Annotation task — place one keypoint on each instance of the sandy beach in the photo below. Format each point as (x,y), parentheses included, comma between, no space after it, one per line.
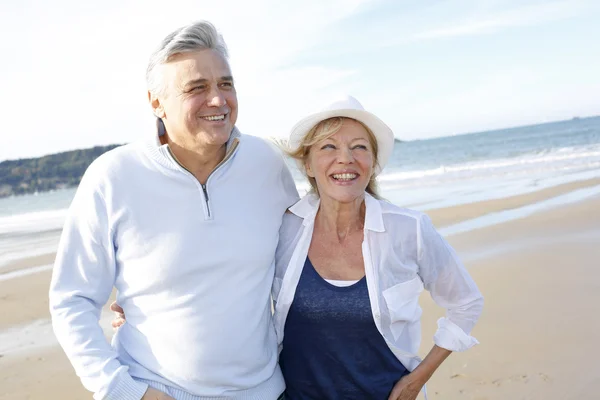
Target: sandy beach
(539,276)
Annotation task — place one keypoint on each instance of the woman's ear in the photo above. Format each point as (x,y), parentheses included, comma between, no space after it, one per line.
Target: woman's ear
(308,169)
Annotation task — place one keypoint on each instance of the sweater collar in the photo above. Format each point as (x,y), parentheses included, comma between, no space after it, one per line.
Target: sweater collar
(235,134)
(308,206)
(160,152)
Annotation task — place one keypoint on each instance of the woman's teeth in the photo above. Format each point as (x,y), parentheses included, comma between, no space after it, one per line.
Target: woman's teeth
(344,177)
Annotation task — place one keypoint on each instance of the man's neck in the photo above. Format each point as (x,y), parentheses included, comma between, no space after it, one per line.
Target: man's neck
(200,160)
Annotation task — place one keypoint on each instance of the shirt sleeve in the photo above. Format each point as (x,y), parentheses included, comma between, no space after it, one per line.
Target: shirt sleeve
(451,287)
(82,281)
(289,226)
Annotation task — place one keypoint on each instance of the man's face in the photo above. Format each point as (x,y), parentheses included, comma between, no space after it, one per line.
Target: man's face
(199,102)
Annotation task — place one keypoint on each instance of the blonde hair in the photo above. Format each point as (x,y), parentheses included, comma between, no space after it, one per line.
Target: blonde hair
(324,130)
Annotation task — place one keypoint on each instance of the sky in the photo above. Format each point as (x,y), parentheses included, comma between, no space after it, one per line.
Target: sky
(73,73)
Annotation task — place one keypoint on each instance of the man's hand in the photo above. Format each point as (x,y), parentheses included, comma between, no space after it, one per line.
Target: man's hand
(406,388)
(153,394)
(119,315)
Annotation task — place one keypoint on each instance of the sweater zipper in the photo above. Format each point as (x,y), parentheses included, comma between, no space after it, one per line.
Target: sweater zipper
(205,195)
(228,155)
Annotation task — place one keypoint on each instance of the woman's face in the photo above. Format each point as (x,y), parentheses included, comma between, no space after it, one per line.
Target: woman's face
(342,164)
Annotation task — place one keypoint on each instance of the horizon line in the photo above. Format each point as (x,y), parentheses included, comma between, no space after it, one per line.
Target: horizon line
(575,118)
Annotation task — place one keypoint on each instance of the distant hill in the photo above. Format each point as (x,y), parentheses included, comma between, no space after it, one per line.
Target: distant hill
(55,171)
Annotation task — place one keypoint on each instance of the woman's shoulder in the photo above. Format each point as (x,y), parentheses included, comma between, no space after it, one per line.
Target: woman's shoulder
(392,211)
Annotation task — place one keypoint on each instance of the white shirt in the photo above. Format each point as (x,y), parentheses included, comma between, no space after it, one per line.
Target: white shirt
(403,253)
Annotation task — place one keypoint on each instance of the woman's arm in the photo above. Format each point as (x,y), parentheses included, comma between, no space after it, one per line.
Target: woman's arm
(450,286)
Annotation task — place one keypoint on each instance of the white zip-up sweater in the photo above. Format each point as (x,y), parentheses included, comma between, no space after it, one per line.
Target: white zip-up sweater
(193,267)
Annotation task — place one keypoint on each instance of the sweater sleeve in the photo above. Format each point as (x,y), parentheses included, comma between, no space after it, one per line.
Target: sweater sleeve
(451,287)
(288,185)
(82,281)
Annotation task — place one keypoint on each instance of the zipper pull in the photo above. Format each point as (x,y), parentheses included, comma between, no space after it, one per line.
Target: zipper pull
(205,192)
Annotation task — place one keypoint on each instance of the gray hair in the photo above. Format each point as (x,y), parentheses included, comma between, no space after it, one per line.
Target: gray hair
(196,36)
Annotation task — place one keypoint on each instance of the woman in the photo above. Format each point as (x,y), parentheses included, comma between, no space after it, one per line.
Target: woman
(350,268)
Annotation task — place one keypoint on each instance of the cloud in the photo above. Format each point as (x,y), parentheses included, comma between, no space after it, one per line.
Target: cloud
(521,16)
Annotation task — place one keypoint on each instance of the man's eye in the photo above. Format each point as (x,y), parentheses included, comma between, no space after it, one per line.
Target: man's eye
(197,88)
(227,84)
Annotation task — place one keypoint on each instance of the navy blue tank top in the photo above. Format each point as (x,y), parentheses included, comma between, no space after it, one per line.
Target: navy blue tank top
(331,346)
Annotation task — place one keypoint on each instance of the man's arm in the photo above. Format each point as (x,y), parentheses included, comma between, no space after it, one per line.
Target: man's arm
(288,185)
(82,280)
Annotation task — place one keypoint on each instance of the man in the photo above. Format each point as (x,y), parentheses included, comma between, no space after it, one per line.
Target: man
(185,226)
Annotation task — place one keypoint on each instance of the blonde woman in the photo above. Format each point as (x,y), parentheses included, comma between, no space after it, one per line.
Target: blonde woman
(350,268)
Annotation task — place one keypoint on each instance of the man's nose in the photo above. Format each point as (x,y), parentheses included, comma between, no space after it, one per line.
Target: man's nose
(216,98)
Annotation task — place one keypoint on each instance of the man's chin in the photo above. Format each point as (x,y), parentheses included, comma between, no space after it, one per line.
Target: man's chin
(216,135)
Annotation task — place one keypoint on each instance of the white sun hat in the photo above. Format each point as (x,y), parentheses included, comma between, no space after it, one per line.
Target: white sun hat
(348,107)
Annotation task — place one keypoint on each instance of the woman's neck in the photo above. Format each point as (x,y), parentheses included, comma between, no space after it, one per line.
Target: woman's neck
(341,219)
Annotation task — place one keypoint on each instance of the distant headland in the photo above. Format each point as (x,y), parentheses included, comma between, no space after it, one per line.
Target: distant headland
(51,172)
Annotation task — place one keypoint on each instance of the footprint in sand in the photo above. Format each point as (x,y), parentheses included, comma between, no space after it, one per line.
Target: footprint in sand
(524,378)
(545,377)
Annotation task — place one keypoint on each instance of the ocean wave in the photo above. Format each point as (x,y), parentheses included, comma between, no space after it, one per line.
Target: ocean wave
(561,159)
(37,221)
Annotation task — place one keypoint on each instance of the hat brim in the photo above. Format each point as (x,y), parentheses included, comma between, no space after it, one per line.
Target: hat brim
(383,134)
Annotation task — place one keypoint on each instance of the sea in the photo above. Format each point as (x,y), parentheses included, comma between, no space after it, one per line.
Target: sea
(422,174)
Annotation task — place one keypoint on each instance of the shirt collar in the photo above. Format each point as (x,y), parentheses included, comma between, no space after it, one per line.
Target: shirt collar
(308,206)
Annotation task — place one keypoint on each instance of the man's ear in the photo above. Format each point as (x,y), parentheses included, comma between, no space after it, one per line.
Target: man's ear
(155,103)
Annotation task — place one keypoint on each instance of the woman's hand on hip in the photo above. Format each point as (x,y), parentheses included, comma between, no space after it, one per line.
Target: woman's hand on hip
(407,388)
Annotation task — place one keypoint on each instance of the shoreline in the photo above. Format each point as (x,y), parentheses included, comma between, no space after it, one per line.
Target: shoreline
(445,216)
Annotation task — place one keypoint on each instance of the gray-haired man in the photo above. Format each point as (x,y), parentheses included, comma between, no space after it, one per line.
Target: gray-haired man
(185,225)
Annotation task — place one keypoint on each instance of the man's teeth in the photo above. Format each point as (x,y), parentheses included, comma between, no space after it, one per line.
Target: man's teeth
(344,177)
(215,117)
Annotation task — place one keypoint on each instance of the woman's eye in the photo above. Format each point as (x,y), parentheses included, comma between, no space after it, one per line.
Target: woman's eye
(360,146)
(328,146)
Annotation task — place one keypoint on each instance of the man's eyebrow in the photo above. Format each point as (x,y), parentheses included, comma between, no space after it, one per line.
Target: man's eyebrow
(199,81)
(196,82)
